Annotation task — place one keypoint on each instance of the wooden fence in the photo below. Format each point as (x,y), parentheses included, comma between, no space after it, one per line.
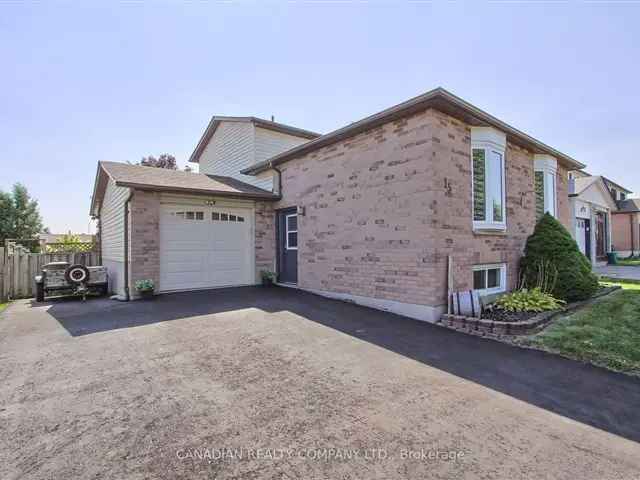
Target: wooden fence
(18,268)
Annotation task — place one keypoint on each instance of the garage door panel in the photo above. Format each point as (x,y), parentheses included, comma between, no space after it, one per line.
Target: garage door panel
(211,252)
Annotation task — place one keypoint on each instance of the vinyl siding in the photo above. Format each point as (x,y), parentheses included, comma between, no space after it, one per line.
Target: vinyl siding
(238,145)
(230,150)
(270,143)
(112,234)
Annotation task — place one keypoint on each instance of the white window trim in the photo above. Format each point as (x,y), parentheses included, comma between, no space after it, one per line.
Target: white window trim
(489,139)
(548,165)
(503,278)
(287,231)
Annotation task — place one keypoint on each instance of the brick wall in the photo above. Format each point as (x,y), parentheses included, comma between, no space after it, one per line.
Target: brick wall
(385,208)
(621,232)
(265,238)
(144,245)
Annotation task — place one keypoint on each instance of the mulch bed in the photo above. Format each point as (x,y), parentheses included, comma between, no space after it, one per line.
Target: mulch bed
(499,315)
(499,323)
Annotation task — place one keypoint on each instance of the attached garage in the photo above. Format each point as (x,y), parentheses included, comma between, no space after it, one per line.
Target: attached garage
(184,231)
(205,247)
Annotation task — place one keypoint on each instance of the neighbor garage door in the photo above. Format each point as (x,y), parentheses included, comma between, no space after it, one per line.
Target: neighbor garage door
(204,247)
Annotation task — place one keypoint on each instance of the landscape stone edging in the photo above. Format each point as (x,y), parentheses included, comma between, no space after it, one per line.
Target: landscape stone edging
(494,328)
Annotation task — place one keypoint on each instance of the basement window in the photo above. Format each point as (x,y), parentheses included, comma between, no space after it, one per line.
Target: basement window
(489,279)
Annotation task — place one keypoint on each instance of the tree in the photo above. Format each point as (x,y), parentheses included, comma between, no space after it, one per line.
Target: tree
(19,214)
(163,161)
(552,245)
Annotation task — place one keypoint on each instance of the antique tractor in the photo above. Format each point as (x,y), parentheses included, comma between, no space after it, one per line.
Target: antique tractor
(61,278)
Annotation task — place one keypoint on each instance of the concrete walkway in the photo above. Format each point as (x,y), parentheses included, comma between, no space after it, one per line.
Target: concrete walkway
(617,271)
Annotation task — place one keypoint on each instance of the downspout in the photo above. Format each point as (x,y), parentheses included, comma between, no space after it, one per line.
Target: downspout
(127,295)
(277,170)
(633,243)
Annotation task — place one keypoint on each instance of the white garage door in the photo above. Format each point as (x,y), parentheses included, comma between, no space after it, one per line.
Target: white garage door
(202,247)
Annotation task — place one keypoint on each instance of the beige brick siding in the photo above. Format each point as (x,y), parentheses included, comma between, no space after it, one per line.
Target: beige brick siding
(622,226)
(144,246)
(385,208)
(265,238)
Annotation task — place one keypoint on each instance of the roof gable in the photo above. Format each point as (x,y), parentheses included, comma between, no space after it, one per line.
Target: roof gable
(596,192)
(258,122)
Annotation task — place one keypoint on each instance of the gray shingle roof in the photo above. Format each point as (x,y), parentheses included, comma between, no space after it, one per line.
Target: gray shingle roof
(629,205)
(151,178)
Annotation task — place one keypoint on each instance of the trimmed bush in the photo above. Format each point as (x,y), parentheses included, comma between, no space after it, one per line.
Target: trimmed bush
(534,300)
(552,244)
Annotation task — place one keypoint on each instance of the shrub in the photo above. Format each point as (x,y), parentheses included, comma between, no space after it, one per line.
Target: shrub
(267,275)
(534,300)
(552,244)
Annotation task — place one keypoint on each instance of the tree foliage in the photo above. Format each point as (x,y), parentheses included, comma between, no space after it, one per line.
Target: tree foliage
(163,161)
(19,214)
(552,244)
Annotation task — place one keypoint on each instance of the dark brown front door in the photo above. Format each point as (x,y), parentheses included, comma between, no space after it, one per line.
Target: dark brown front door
(600,235)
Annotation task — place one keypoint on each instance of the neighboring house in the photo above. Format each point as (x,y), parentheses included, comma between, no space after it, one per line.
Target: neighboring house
(592,206)
(626,227)
(605,219)
(368,213)
(189,230)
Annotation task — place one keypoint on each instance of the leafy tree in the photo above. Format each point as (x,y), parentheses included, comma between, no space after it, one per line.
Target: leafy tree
(552,244)
(19,214)
(163,161)
(69,243)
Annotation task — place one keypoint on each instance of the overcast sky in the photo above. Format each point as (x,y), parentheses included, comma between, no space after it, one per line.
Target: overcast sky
(84,83)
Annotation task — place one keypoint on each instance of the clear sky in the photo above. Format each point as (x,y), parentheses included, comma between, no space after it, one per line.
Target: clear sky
(82,82)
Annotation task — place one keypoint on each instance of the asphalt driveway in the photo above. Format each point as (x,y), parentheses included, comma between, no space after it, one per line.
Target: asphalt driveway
(275,383)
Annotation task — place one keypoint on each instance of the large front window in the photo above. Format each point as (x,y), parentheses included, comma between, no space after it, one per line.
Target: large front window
(488,149)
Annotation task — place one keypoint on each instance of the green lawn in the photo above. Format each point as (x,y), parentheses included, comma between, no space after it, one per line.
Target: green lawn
(635,262)
(625,284)
(606,332)
(3,306)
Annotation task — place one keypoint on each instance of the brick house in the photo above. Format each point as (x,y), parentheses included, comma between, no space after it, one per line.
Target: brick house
(605,219)
(368,213)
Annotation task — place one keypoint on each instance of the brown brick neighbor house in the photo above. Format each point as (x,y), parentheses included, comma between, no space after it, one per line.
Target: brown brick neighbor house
(368,213)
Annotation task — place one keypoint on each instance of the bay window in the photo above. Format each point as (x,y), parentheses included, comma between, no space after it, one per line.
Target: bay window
(545,170)
(487,156)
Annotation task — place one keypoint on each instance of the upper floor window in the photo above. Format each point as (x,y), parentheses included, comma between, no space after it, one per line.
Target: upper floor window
(545,170)
(623,196)
(488,166)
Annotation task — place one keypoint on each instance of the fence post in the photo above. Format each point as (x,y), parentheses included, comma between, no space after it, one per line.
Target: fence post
(3,276)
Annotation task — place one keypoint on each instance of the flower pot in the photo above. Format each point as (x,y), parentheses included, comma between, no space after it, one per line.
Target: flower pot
(146,294)
(267,282)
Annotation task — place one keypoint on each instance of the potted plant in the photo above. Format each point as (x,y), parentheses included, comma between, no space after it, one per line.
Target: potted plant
(145,288)
(268,278)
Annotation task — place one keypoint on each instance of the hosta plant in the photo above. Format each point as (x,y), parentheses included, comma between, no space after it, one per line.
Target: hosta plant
(145,285)
(534,300)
